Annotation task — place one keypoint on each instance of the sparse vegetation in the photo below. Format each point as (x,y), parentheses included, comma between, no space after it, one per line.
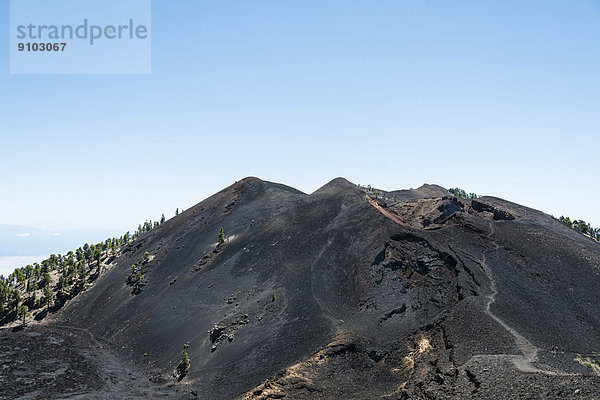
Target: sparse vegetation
(48,296)
(23,313)
(60,277)
(592,362)
(134,276)
(371,190)
(461,194)
(376,193)
(136,279)
(579,225)
(582,227)
(184,364)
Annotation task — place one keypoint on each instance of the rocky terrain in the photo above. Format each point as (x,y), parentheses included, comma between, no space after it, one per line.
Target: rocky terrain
(45,362)
(337,294)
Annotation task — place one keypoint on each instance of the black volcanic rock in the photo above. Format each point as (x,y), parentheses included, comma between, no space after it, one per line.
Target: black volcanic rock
(331,295)
(425,191)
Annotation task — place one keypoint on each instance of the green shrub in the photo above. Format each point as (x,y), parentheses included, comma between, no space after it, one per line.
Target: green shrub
(221,237)
(184,364)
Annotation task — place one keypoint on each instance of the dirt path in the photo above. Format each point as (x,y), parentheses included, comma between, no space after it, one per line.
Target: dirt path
(385,212)
(529,351)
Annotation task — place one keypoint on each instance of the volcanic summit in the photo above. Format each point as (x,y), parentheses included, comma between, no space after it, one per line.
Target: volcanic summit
(340,294)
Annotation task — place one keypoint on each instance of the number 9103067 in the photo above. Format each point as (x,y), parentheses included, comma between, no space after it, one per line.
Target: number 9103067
(41,46)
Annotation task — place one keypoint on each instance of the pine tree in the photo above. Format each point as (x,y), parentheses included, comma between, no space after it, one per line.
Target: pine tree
(98,258)
(221,237)
(16,298)
(48,296)
(46,280)
(184,365)
(23,313)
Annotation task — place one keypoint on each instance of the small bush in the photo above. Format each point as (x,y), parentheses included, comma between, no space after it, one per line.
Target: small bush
(184,365)
(591,362)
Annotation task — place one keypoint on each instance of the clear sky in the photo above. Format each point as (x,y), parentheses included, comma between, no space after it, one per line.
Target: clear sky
(499,98)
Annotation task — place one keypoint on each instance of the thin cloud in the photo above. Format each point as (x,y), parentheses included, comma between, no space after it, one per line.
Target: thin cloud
(23,234)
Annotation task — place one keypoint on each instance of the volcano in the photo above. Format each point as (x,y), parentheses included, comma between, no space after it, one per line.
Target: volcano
(343,294)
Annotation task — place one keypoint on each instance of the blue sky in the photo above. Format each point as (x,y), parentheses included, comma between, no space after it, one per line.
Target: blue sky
(498,98)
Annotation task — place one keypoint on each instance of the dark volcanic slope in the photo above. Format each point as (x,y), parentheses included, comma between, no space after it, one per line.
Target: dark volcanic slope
(334,295)
(424,191)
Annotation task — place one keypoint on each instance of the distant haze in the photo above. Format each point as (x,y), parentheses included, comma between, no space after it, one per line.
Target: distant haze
(22,245)
(9,264)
